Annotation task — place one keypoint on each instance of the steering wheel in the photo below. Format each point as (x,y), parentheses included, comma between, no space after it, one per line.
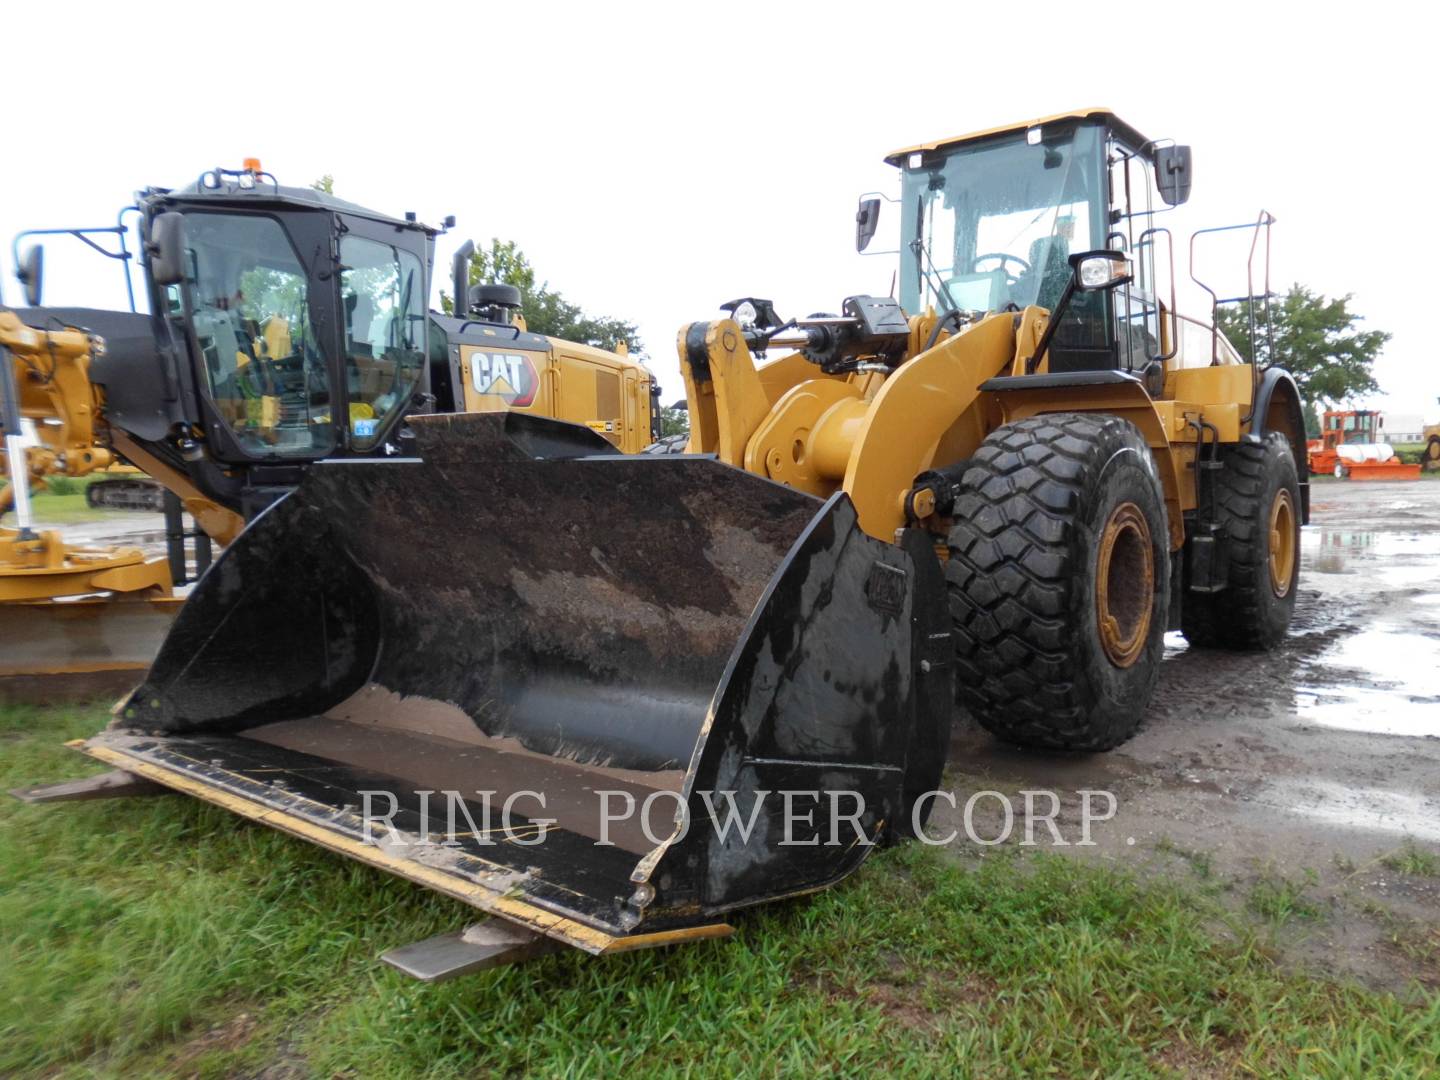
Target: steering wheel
(1004,257)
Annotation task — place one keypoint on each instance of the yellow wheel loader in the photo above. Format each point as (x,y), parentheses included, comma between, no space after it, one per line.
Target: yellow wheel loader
(1091,467)
(1430,456)
(286,326)
(612,699)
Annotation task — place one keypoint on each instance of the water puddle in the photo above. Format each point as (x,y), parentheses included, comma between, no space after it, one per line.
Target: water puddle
(1394,560)
(1375,809)
(1331,551)
(1386,681)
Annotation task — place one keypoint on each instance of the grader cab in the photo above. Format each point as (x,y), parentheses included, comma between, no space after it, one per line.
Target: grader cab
(284,326)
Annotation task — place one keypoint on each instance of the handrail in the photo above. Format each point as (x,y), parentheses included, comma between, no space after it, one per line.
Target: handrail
(1153,231)
(1263,221)
(119,229)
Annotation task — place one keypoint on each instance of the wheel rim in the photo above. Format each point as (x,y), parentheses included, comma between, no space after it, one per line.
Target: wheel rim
(1282,542)
(1433,450)
(1125,585)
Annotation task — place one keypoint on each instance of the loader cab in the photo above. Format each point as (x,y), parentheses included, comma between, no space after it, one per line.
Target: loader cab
(302,317)
(989,221)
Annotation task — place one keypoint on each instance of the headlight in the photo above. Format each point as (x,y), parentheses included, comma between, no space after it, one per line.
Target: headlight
(1101,270)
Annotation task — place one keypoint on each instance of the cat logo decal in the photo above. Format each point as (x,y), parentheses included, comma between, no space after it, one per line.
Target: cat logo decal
(508,376)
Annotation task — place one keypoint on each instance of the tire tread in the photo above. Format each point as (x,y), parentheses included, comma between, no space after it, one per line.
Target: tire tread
(1010,580)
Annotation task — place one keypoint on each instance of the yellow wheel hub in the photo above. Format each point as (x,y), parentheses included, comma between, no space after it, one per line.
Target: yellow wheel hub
(1125,585)
(1282,542)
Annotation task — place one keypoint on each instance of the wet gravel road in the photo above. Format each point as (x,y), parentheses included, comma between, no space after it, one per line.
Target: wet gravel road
(1310,765)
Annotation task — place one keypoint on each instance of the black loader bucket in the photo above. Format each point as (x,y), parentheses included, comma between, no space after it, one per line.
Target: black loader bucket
(393,653)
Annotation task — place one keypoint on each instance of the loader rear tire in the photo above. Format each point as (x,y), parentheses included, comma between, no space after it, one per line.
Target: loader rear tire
(1257,499)
(1059,581)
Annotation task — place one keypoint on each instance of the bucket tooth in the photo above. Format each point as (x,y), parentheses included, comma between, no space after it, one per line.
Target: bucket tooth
(488,944)
(115,784)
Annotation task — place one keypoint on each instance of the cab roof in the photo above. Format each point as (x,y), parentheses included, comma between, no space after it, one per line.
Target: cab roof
(266,191)
(898,157)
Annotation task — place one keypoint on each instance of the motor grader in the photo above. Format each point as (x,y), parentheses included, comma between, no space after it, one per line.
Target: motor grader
(1007,483)
(286,326)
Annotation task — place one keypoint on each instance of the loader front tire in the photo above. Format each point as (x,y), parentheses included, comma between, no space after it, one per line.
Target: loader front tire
(1059,581)
(1257,500)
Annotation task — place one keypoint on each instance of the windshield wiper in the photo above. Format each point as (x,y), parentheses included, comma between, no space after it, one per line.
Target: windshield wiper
(932,276)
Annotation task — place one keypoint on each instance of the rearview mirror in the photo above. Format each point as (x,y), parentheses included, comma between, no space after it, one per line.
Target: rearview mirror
(166,249)
(867,218)
(1173,174)
(31,273)
(1097,271)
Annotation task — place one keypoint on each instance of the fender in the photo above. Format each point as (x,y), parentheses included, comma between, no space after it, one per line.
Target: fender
(1277,408)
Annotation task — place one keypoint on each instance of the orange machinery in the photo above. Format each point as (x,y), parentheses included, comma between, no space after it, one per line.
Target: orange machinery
(1350,446)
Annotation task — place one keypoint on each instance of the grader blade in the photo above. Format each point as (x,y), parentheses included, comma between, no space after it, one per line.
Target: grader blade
(59,651)
(396,653)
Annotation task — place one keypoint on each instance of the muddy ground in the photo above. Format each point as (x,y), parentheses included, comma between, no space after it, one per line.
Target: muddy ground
(1291,778)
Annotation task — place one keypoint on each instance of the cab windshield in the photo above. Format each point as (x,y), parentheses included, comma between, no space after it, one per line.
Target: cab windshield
(998,220)
(264,372)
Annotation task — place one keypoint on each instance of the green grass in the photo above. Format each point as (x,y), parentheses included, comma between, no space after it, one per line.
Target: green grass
(67,485)
(1201,862)
(62,508)
(1412,861)
(138,933)
(1280,899)
(62,502)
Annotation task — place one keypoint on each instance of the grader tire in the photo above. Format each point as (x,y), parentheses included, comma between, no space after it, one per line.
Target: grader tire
(1257,499)
(1059,581)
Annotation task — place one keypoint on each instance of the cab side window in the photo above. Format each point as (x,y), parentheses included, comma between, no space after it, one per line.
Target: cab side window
(1133,202)
(386,333)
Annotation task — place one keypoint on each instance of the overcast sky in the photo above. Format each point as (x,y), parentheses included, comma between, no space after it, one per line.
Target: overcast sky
(655,161)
